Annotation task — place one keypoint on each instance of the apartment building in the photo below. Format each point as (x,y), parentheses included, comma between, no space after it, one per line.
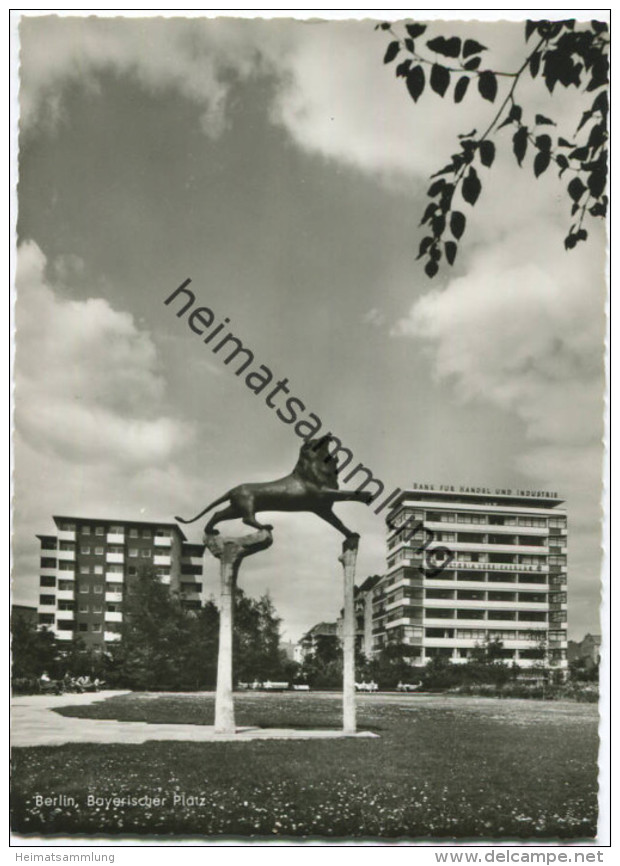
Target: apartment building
(470,565)
(87,565)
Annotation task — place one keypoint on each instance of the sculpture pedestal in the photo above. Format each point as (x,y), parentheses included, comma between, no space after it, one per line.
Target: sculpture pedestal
(348,560)
(230,552)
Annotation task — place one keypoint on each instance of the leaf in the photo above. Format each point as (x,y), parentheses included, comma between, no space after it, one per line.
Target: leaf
(430,210)
(597,182)
(471,187)
(457,224)
(385,26)
(541,120)
(561,160)
(598,209)
(530,27)
(519,143)
(534,64)
(543,142)
(415,82)
(472,47)
(409,45)
(436,187)
(513,116)
(585,117)
(450,248)
(580,153)
(487,153)
(487,85)
(415,30)
(424,245)
(431,268)
(576,189)
(570,241)
(403,68)
(461,88)
(448,47)
(472,64)
(392,50)
(440,79)
(541,163)
(563,143)
(438,224)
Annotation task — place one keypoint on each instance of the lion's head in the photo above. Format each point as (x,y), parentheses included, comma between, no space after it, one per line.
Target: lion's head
(316,464)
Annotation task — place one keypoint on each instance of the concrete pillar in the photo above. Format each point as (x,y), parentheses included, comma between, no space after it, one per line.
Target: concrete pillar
(348,560)
(230,552)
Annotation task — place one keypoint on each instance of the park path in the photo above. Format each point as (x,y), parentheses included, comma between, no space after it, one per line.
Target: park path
(34,723)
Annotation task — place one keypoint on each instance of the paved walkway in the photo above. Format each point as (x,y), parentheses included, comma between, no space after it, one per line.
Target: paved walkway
(34,723)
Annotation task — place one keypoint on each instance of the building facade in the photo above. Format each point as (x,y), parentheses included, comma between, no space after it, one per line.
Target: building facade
(464,568)
(86,566)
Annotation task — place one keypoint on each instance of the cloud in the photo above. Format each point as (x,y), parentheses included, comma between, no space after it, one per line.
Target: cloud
(86,378)
(332,92)
(91,432)
(523,330)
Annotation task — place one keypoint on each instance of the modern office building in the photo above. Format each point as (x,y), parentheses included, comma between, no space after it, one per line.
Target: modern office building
(472,565)
(86,567)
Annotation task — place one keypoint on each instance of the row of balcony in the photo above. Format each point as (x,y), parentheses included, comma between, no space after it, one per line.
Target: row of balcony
(113,538)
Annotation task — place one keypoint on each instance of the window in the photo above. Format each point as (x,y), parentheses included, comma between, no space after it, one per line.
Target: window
(470,595)
(66,566)
(145,554)
(116,530)
(66,585)
(132,570)
(65,625)
(115,548)
(47,562)
(133,551)
(146,533)
(83,626)
(65,605)
(98,569)
(84,587)
(47,580)
(557,523)
(46,619)
(502,614)
(100,530)
(112,608)
(532,616)
(85,530)
(83,608)
(67,545)
(99,551)
(114,569)
(133,533)
(84,569)
(96,626)
(96,608)
(163,533)
(48,544)
(67,527)
(47,599)
(98,588)
(85,549)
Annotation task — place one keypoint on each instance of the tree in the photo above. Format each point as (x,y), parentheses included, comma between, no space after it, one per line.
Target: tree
(163,644)
(256,639)
(565,53)
(34,650)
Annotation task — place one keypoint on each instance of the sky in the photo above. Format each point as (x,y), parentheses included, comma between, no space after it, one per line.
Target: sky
(281,167)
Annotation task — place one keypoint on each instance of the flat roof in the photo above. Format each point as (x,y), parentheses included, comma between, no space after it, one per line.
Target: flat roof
(118,520)
(482,496)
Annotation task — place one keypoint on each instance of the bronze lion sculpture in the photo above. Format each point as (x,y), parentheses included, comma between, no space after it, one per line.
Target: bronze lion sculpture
(311,486)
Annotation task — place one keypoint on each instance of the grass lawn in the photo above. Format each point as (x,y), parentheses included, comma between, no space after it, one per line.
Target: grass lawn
(442,767)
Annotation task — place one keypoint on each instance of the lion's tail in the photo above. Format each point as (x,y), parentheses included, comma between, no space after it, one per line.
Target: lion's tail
(204,511)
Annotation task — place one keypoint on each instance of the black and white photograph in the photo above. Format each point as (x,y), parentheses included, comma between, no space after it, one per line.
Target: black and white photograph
(309,482)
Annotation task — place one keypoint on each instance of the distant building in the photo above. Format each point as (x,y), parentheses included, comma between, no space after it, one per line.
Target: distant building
(495,568)
(322,631)
(86,566)
(363,599)
(289,648)
(587,650)
(25,613)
